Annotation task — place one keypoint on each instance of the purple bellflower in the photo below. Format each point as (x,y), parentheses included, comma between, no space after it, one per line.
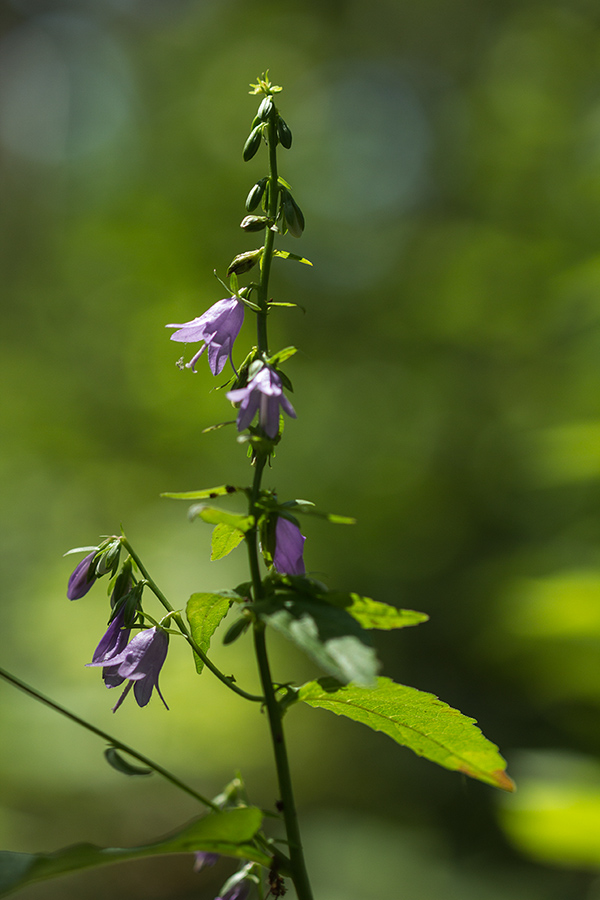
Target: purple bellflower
(204,859)
(82,578)
(265,395)
(140,662)
(289,547)
(112,644)
(218,327)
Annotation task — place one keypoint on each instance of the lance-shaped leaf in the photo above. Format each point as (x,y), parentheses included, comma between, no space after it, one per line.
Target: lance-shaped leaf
(225,538)
(285,254)
(204,493)
(327,634)
(281,356)
(419,721)
(215,516)
(308,508)
(373,614)
(229,833)
(205,612)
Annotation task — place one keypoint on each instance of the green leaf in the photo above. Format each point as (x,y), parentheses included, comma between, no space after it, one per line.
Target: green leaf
(215,516)
(282,355)
(225,538)
(118,762)
(373,614)
(205,612)
(204,493)
(229,832)
(285,254)
(308,508)
(327,634)
(419,721)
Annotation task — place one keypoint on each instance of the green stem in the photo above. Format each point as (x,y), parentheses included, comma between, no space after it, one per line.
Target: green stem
(299,873)
(119,745)
(178,619)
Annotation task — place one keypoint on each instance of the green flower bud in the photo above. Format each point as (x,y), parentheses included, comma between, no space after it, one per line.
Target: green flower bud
(255,195)
(255,223)
(284,134)
(253,143)
(243,262)
(265,109)
(292,215)
(107,558)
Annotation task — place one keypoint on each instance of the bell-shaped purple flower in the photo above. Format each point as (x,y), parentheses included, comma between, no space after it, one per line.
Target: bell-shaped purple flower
(264,394)
(112,644)
(140,662)
(218,327)
(82,577)
(204,860)
(289,547)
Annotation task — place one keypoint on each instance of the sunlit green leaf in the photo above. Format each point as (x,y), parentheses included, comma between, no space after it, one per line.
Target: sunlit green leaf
(225,538)
(203,493)
(419,721)
(373,614)
(282,355)
(327,634)
(215,516)
(229,832)
(285,254)
(205,612)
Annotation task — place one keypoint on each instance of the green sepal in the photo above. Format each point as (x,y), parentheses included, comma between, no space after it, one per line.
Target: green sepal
(417,720)
(114,759)
(225,538)
(328,635)
(205,612)
(229,832)
(203,493)
(285,254)
(214,516)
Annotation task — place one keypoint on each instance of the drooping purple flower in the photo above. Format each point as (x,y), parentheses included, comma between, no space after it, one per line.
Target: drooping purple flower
(237,891)
(289,547)
(140,662)
(218,327)
(204,860)
(113,642)
(264,394)
(82,577)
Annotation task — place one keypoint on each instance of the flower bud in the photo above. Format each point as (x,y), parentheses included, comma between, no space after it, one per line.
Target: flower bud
(243,262)
(107,558)
(284,134)
(265,109)
(253,143)
(255,195)
(255,223)
(292,214)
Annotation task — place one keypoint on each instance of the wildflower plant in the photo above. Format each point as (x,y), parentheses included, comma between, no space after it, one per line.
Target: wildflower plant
(333,628)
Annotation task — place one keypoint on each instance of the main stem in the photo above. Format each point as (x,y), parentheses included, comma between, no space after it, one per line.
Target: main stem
(299,873)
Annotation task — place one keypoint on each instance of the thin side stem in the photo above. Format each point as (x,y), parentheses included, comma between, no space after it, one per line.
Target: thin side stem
(178,619)
(119,745)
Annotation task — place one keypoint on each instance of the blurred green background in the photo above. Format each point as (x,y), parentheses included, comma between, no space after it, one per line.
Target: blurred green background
(447,158)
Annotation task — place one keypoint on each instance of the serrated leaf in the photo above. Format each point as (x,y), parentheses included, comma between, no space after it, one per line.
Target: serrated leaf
(373,614)
(225,538)
(229,832)
(328,635)
(417,720)
(214,516)
(205,612)
(285,254)
(203,493)
(122,765)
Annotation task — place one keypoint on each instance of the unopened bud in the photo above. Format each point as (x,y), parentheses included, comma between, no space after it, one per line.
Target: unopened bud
(265,109)
(293,216)
(255,223)
(253,143)
(243,262)
(284,134)
(255,195)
